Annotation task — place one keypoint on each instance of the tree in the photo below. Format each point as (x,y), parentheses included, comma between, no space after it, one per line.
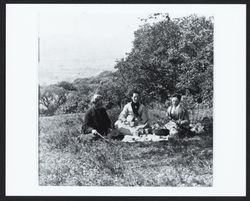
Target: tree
(51,97)
(112,90)
(170,56)
(67,86)
(149,67)
(75,102)
(196,49)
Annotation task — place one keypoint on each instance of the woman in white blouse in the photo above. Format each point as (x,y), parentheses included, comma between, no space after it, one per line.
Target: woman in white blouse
(133,116)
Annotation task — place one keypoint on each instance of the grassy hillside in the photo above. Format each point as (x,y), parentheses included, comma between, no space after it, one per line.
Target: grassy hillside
(66,157)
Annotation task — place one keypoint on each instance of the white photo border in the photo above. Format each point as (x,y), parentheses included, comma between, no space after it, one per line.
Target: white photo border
(229,105)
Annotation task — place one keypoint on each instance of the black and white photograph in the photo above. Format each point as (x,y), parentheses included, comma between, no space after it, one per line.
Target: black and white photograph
(125,99)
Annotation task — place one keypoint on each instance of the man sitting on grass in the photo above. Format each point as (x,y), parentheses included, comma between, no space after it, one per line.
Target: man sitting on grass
(133,117)
(96,120)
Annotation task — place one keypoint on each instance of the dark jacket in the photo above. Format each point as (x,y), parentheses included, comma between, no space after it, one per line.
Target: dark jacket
(96,119)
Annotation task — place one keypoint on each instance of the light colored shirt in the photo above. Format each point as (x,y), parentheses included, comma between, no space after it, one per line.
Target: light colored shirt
(128,114)
(178,113)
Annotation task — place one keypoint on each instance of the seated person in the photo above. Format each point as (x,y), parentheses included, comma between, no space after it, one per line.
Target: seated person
(178,116)
(96,120)
(133,117)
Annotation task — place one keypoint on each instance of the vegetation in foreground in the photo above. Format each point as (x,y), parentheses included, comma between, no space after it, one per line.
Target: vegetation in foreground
(68,158)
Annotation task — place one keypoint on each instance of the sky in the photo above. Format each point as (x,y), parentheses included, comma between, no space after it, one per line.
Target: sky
(83,40)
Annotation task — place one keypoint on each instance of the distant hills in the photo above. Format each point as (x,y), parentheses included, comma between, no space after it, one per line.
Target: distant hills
(51,72)
(66,58)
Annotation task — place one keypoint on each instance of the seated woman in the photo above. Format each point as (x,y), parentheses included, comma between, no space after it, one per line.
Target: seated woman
(133,117)
(178,116)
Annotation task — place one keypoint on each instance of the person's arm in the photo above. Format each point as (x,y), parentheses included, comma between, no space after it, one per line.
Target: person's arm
(87,123)
(168,113)
(144,115)
(185,120)
(144,118)
(124,113)
(107,119)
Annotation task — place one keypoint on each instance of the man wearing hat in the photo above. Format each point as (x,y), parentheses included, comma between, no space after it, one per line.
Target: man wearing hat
(96,120)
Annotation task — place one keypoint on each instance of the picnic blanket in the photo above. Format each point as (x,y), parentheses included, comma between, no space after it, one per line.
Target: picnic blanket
(144,138)
(152,137)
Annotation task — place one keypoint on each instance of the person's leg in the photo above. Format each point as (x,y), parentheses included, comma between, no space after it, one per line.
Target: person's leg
(115,134)
(122,128)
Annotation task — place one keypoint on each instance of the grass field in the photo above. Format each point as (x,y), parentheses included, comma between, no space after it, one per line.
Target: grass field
(68,158)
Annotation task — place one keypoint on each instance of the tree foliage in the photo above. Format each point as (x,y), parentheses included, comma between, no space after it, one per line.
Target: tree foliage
(51,98)
(67,85)
(168,56)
